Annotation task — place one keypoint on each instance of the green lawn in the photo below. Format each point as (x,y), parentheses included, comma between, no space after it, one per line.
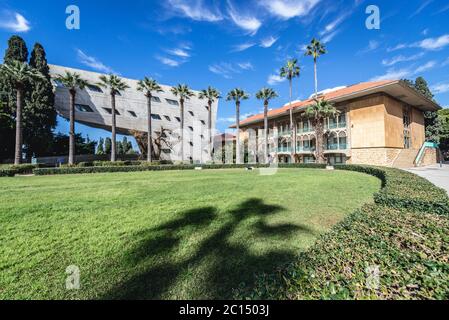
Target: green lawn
(178,235)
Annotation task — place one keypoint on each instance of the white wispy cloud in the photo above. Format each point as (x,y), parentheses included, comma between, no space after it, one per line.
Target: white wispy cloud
(178,52)
(13,21)
(401,58)
(287,9)
(440,88)
(197,10)
(328,38)
(228,70)
(421,8)
(93,62)
(246,65)
(246,22)
(433,43)
(169,61)
(268,42)
(274,79)
(426,67)
(372,45)
(397,74)
(243,46)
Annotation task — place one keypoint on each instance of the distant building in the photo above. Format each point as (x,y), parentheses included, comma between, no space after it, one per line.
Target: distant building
(380,123)
(93,108)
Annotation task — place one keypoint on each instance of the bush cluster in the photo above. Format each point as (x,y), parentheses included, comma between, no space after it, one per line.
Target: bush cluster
(7,172)
(403,236)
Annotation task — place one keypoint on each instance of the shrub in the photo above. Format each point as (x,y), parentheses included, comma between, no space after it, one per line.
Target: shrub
(404,233)
(25,168)
(7,172)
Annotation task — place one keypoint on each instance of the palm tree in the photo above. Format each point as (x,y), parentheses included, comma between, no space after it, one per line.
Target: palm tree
(290,71)
(318,112)
(183,93)
(115,85)
(148,86)
(237,95)
(211,94)
(20,73)
(315,49)
(266,94)
(73,82)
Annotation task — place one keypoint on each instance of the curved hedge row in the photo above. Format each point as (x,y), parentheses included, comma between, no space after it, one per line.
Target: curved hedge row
(402,236)
(7,172)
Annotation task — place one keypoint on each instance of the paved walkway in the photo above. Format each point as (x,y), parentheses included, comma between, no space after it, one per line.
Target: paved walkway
(435,174)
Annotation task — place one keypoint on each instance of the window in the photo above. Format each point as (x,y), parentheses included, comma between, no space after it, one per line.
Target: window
(406,121)
(191,128)
(207,108)
(166,150)
(203,122)
(83,108)
(155,116)
(191,143)
(178,118)
(94,88)
(109,110)
(202,136)
(132,113)
(191,113)
(167,118)
(172,102)
(155,99)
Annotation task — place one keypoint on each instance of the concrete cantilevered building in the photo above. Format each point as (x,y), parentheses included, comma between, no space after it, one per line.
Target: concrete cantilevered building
(93,108)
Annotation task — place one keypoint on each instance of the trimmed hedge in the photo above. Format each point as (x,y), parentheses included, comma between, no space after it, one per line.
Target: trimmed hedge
(404,234)
(406,190)
(7,172)
(21,168)
(87,168)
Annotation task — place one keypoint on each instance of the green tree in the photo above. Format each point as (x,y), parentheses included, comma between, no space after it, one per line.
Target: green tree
(443,116)
(73,82)
(315,49)
(290,71)
(148,86)
(115,86)
(422,87)
(39,112)
(211,95)
(107,146)
(19,74)
(100,148)
(266,94)
(237,95)
(318,112)
(120,150)
(16,51)
(183,93)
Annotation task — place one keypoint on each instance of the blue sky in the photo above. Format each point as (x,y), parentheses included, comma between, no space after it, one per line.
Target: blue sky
(233,43)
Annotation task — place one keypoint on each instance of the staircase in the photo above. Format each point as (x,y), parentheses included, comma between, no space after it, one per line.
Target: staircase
(406,159)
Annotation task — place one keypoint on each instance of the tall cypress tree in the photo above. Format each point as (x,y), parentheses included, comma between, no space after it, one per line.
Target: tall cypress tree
(16,50)
(39,111)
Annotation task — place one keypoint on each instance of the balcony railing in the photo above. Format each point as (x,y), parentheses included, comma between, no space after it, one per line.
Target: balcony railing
(335,146)
(284,150)
(305,130)
(284,133)
(305,149)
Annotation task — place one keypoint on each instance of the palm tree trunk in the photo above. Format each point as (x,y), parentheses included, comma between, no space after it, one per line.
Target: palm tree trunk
(210,130)
(182,128)
(149,142)
(72,128)
(265,122)
(291,125)
(237,125)
(316,78)
(18,150)
(319,140)
(113,140)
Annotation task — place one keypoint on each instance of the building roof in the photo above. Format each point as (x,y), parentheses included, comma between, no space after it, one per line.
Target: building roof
(396,88)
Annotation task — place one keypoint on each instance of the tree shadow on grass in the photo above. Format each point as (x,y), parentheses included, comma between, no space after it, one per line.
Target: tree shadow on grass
(223,261)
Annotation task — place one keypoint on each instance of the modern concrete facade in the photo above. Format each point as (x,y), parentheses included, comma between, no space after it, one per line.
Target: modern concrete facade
(380,123)
(93,108)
